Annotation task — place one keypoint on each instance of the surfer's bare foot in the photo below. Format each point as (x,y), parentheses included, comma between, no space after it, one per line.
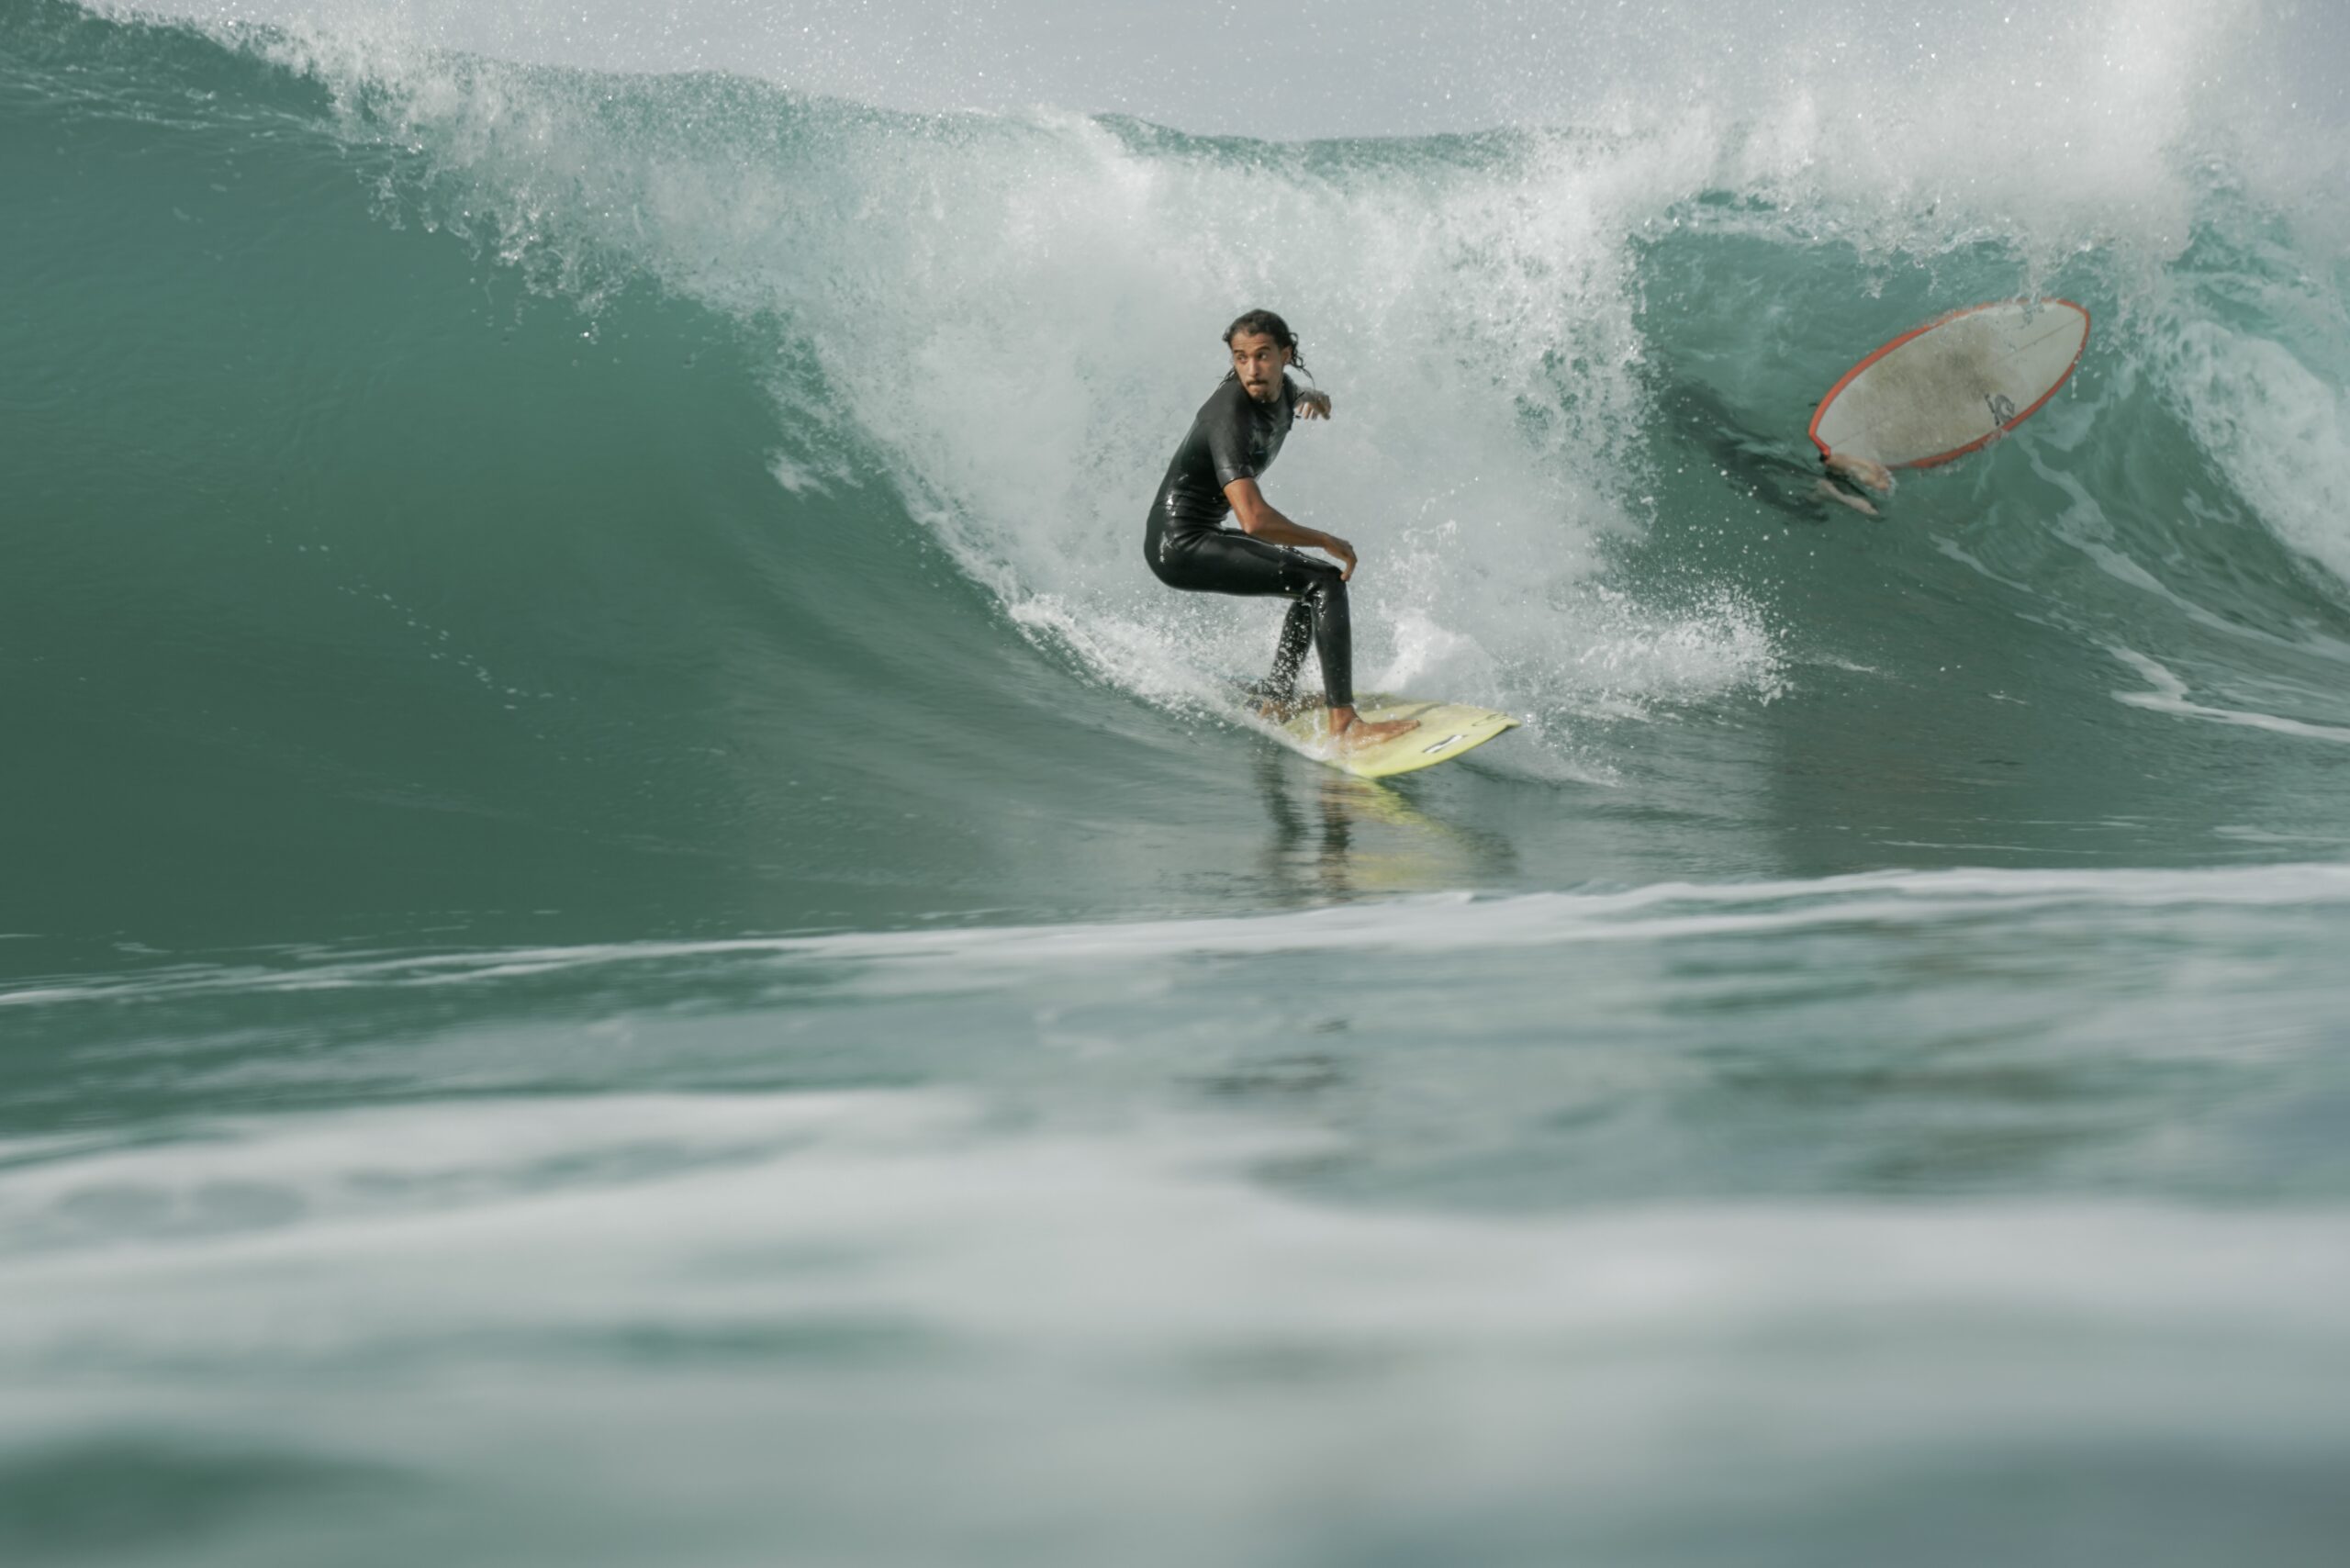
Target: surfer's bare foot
(1354,732)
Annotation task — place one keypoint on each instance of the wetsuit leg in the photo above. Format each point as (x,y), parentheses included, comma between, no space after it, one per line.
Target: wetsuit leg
(1288,652)
(1220,561)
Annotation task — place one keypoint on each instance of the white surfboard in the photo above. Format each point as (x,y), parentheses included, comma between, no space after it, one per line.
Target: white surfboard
(1953,385)
(1447,730)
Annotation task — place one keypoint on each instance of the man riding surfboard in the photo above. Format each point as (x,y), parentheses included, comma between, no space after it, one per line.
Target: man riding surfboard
(1234,439)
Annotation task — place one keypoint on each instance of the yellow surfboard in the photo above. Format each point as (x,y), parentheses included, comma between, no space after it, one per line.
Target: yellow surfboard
(1446,731)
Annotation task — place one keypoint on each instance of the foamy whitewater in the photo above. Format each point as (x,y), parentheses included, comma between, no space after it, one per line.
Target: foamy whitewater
(632,933)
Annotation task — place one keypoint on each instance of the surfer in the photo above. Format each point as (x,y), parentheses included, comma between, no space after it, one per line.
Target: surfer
(1234,438)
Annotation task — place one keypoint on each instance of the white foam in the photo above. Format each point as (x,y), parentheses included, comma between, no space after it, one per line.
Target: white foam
(2169,696)
(2074,78)
(2278,429)
(523,1204)
(1435,923)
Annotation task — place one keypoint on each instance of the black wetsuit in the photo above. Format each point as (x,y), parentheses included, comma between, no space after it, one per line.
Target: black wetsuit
(1236,437)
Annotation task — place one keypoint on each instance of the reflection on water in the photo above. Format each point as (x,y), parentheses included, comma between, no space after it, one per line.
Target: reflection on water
(1336,838)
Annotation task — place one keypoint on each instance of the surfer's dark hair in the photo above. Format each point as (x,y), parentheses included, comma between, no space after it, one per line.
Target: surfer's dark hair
(1265,324)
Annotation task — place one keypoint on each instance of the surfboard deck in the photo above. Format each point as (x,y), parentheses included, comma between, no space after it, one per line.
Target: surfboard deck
(1953,386)
(1447,730)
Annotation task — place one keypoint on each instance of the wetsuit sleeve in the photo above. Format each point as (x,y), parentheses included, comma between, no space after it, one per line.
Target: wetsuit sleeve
(1227,432)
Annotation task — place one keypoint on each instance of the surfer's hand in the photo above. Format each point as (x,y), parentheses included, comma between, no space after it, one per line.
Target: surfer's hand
(1312,404)
(1343,550)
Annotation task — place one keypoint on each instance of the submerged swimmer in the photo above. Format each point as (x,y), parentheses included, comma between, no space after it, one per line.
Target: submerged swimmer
(1766,469)
(1234,438)
(1843,466)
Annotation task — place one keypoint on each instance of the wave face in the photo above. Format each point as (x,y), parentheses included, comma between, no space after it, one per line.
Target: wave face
(449,489)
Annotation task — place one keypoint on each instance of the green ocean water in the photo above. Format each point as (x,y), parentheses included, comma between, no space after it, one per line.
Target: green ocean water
(629,932)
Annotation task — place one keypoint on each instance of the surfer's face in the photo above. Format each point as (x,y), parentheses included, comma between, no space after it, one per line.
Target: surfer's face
(1258,364)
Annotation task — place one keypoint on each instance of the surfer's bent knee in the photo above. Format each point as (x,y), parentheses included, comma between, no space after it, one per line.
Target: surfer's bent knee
(1322,578)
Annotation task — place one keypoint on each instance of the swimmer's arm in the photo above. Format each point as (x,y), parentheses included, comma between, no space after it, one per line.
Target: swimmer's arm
(1829,490)
(1258,519)
(1860,470)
